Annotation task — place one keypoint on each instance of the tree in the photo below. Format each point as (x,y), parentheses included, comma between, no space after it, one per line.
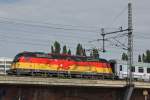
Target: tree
(52,49)
(148,56)
(124,57)
(57,47)
(139,58)
(94,53)
(69,52)
(80,51)
(143,58)
(84,52)
(91,54)
(64,49)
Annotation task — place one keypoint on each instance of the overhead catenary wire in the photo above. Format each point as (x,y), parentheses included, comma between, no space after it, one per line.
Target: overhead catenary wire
(68,35)
(38,34)
(24,37)
(118,15)
(47,26)
(39,42)
(37,25)
(55,34)
(47,23)
(50,25)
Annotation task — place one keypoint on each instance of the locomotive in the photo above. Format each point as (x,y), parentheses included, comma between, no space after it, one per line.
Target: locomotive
(70,66)
(45,64)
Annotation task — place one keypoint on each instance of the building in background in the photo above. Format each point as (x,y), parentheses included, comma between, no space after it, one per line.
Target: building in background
(5,64)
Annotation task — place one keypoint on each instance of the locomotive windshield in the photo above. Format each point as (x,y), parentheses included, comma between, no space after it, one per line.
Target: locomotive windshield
(28,54)
(17,57)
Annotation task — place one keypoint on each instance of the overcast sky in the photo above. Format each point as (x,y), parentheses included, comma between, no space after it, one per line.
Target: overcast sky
(34,25)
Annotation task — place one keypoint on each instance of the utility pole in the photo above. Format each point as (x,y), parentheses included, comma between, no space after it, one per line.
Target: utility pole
(130,44)
(103,35)
(130,85)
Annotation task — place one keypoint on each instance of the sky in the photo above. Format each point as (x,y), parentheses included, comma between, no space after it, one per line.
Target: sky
(34,25)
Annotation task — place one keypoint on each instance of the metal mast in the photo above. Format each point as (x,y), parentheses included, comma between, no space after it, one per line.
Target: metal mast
(130,85)
(130,44)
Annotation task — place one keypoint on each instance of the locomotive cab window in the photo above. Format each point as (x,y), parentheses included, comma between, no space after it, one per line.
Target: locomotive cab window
(17,57)
(141,70)
(148,70)
(120,67)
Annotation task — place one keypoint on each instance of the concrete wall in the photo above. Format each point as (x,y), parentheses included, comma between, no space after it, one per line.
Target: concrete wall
(8,92)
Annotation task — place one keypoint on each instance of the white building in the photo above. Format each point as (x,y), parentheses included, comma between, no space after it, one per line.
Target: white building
(5,64)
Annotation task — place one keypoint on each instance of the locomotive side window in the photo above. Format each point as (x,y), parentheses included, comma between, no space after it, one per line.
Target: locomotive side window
(141,70)
(120,67)
(148,70)
(133,69)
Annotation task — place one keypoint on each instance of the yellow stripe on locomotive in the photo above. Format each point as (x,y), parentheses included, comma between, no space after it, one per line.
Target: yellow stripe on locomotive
(49,67)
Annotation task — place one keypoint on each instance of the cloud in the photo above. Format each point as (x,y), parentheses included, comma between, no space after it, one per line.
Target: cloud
(87,13)
(8,1)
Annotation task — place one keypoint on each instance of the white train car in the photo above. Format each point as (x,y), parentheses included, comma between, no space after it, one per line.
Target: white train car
(140,71)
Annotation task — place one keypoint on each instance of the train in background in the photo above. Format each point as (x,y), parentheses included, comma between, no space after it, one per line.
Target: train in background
(54,65)
(140,71)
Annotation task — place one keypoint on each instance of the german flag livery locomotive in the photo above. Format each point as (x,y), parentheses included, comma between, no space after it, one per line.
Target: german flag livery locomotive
(36,63)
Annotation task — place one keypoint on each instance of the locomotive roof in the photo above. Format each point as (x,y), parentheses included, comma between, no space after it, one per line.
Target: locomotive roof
(84,58)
